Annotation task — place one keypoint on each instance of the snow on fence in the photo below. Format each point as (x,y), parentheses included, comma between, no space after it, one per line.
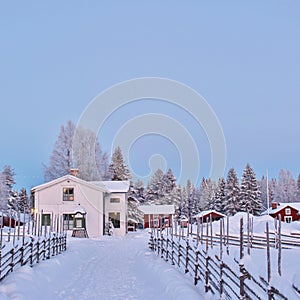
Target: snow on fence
(221,275)
(29,243)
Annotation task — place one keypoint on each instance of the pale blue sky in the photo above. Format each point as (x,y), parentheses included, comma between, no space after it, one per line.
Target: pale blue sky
(242,57)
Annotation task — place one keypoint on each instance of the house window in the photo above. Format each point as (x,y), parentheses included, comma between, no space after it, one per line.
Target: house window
(68,194)
(287,211)
(45,219)
(288,219)
(114,200)
(114,217)
(68,221)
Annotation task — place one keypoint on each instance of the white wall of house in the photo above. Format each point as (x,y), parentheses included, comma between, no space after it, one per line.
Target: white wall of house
(116,203)
(49,198)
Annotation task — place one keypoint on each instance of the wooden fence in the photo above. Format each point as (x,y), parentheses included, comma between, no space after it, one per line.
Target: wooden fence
(29,241)
(220,274)
(32,251)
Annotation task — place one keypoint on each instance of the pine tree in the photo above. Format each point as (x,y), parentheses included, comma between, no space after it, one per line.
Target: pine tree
(118,169)
(23,204)
(10,196)
(232,193)
(3,193)
(154,192)
(133,203)
(220,198)
(250,200)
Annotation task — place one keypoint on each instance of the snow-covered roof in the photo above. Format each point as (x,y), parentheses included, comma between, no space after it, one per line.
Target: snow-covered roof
(103,186)
(157,209)
(113,186)
(207,212)
(280,206)
(132,221)
(66,178)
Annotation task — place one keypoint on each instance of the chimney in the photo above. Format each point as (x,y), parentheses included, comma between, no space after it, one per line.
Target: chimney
(274,205)
(74,172)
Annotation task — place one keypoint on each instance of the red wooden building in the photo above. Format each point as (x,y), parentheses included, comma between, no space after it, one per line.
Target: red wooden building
(289,212)
(157,215)
(205,216)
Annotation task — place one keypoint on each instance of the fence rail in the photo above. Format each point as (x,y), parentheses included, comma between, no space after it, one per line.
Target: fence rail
(32,251)
(226,280)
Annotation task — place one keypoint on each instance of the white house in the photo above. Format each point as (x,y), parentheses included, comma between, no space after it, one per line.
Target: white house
(103,201)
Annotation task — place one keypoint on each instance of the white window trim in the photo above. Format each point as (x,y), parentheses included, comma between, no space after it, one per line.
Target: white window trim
(286,218)
(288,211)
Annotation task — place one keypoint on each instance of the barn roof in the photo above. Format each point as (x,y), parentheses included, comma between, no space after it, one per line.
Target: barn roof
(281,206)
(204,213)
(157,209)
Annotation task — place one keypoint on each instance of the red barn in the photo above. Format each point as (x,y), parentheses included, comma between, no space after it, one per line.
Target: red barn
(289,212)
(157,215)
(205,215)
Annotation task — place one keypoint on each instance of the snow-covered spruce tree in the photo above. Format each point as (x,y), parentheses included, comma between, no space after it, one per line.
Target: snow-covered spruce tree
(220,197)
(232,191)
(154,193)
(286,187)
(133,203)
(210,194)
(83,154)
(184,204)
(3,194)
(10,196)
(23,204)
(118,169)
(178,198)
(250,200)
(169,182)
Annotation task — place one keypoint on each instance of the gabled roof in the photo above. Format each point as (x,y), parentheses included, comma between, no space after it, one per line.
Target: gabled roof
(157,209)
(208,212)
(70,178)
(280,206)
(113,186)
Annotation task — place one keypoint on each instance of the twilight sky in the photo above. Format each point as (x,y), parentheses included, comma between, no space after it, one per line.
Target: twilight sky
(242,57)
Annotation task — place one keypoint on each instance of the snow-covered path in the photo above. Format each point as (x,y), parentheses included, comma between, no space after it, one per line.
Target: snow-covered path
(110,268)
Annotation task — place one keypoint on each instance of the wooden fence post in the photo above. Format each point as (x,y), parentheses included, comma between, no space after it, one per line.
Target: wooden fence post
(196,278)
(270,292)
(279,245)
(241,264)
(179,254)
(187,256)
(221,258)
(31,251)
(227,239)
(12,259)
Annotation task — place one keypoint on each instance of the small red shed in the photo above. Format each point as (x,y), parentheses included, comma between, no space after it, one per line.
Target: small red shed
(289,212)
(156,216)
(205,215)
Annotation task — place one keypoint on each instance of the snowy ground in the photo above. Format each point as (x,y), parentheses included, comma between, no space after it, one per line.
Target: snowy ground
(107,268)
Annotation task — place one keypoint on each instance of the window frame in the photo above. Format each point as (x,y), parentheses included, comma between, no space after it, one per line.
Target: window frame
(288,219)
(288,211)
(68,223)
(46,218)
(116,222)
(115,200)
(68,196)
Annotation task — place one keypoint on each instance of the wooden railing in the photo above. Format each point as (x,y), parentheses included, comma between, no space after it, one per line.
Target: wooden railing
(33,250)
(221,275)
